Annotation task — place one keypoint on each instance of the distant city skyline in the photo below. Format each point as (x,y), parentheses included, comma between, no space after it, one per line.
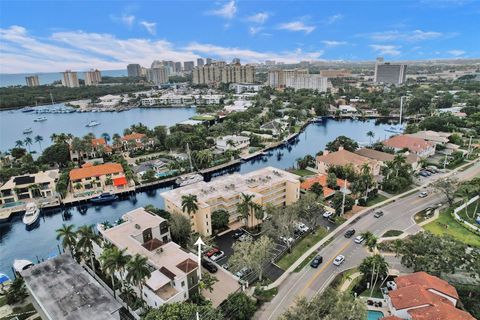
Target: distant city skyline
(52,36)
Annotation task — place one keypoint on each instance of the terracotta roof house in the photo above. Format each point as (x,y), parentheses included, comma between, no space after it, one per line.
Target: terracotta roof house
(139,139)
(322,180)
(418,146)
(91,177)
(420,296)
(433,136)
(99,147)
(383,157)
(343,157)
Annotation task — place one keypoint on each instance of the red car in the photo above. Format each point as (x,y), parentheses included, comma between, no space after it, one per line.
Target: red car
(211,252)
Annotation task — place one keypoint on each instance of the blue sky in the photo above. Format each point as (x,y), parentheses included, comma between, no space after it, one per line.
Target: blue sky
(43,36)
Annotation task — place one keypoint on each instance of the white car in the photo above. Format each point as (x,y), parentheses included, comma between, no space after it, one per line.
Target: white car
(245,237)
(287,241)
(338,260)
(359,239)
(217,256)
(423,194)
(302,227)
(391,285)
(327,214)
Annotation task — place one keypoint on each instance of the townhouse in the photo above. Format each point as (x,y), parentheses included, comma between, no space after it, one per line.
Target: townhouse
(109,176)
(29,187)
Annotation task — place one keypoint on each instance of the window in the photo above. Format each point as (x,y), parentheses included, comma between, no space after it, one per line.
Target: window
(183,284)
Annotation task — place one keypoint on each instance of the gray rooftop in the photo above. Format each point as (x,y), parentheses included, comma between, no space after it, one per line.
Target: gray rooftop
(66,291)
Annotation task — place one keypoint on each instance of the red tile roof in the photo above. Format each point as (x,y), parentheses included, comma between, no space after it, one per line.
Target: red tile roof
(133,136)
(322,180)
(120,181)
(414,296)
(99,142)
(440,311)
(413,144)
(344,157)
(187,265)
(428,282)
(95,171)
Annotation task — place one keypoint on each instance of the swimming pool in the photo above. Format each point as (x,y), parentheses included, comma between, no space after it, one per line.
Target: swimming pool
(374,315)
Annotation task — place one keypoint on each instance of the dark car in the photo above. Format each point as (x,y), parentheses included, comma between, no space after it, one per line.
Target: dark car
(349,233)
(378,214)
(423,173)
(238,233)
(209,266)
(316,261)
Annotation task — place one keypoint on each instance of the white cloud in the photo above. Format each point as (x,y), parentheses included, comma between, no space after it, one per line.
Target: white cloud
(456,53)
(296,26)
(150,26)
(128,19)
(411,36)
(334,18)
(254,30)
(259,18)
(389,50)
(226,11)
(333,43)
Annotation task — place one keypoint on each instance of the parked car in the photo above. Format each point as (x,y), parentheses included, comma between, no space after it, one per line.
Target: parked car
(423,174)
(209,266)
(225,266)
(327,214)
(316,261)
(423,194)
(211,252)
(245,237)
(217,256)
(349,233)
(238,233)
(302,227)
(338,260)
(243,272)
(290,240)
(378,214)
(359,239)
(391,285)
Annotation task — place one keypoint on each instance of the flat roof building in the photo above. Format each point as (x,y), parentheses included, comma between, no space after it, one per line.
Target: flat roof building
(61,289)
(388,73)
(70,79)
(32,81)
(134,70)
(93,77)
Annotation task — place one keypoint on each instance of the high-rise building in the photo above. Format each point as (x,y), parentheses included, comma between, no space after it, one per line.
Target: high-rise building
(235,60)
(188,65)
(134,70)
(340,73)
(178,67)
(219,72)
(389,73)
(306,81)
(277,78)
(32,81)
(70,79)
(200,62)
(93,77)
(269,62)
(209,60)
(158,75)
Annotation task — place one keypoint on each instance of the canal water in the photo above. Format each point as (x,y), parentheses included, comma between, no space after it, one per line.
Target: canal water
(14,122)
(16,241)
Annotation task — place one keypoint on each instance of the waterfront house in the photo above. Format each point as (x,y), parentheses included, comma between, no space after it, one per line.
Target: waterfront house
(238,106)
(98,177)
(322,180)
(432,136)
(383,157)
(98,149)
(174,272)
(60,288)
(418,146)
(267,186)
(342,158)
(420,296)
(232,142)
(136,141)
(30,186)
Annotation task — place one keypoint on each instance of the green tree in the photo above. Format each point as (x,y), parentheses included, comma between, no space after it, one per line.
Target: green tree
(317,189)
(68,236)
(182,311)
(238,306)
(370,135)
(364,181)
(332,180)
(114,260)
(17,292)
(189,203)
(342,141)
(57,153)
(338,200)
(252,254)
(372,269)
(220,219)
(28,142)
(447,186)
(138,271)
(19,143)
(38,139)
(86,237)
(245,207)
(180,229)
(207,282)
(370,240)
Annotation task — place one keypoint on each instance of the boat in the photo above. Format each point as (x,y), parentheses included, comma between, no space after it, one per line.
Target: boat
(396,130)
(190,178)
(27,131)
(31,214)
(92,123)
(4,279)
(20,265)
(40,119)
(104,198)
(28,109)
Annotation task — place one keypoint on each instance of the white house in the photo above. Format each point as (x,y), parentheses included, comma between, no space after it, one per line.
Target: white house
(232,142)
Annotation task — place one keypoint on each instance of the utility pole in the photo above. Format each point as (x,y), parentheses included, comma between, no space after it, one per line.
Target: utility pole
(401,108)
(199,244)
(344,194)
(469,147)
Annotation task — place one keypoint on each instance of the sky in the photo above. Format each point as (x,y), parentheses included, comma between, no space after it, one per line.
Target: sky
(52,36)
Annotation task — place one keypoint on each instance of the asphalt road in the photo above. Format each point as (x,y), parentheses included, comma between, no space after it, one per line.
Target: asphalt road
(397,216)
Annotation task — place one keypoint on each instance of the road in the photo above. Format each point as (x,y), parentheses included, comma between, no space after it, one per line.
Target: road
(397,216)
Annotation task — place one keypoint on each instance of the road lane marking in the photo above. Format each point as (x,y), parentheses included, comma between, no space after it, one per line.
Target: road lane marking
(309,283)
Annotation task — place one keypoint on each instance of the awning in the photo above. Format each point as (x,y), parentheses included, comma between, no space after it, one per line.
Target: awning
(120,181)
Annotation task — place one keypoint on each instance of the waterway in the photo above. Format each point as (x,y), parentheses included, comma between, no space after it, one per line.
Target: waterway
(16,241)
(14,122)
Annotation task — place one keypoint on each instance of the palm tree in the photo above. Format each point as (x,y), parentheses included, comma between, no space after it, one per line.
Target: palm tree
(19,143)
(86,238)
(138,271)
(114,260)
(68,236)
(371,135)
(246,206)
(28,142)
(53,137)
(370,240)
(190,203)
(106,136)
(39,139)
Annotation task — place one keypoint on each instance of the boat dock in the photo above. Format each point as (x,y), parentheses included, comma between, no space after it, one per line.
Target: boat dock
(42,203)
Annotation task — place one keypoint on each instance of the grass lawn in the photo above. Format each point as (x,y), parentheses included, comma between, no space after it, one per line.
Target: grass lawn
(377,293)
(203,118)
(378,198)
(456,165)
(471,213)
(305,262)
(303,172)
(392,233)
(445,224)
(340,278)
(422,216)
(265,295)
(301,247)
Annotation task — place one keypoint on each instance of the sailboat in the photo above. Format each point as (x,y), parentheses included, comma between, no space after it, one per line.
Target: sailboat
(396,129)
(190,178)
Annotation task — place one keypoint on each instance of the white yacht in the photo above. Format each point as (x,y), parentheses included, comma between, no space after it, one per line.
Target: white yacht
(185,180)
(27,131)
(92,123)
(20,264)
(31,214)
(40,119)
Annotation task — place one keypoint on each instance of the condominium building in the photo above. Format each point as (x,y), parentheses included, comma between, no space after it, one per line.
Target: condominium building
(70,79)
(178,67)
(388,73)
(157,75)
(277,78)
(32,81)
(306,81)
(103,177)
(200,62)
(208,61)
(269,62)
(174,271)
(335,73)
(188,65)
(219,72)
(134,70)
(28,187)
(93,77)
(267,186)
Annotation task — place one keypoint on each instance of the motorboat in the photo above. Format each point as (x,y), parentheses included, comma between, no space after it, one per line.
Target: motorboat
(92,123)
(20,265)
(188,179)
(393,129)
(32,212)
(104,198)
(40,119)
(28,109)
(27,131)
(4,279)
